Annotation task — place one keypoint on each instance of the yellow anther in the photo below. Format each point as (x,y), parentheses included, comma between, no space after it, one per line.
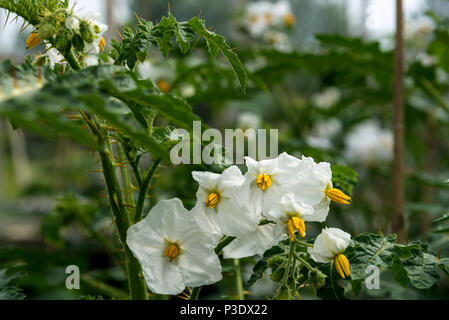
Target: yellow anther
(163,85)
(342,265)
(289,19)
(253,18)
(212,200)
(171,252)
(295,223)
(337,196)
(33,40)
(102,44)
(263,181)
(268,17)
(291,230)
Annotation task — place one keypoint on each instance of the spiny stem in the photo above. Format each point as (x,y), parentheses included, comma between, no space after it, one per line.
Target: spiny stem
(71,60)
(144,189)
(238,280)
(304,262)
(289,262)
(103,288)
(195,293)
(137,285)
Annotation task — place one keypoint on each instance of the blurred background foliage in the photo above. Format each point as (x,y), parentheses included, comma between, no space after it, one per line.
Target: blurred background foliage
(324,81)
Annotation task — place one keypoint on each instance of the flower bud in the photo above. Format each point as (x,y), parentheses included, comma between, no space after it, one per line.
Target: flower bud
(86,32)
(78,43)
(46,30)
(62,43)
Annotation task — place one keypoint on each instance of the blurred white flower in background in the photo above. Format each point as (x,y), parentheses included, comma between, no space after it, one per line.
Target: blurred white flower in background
(326,98)
(259,16)
(421,27)
(162,74)
(278,40)
(249,120)
(262,16)
(368,143)
(323,132)
(282,14)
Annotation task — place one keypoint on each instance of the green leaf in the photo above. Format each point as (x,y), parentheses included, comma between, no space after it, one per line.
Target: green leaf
(262,265)
(421,270)
(344,178)
(370,249)
(217,43)
(445,217)
(8,291)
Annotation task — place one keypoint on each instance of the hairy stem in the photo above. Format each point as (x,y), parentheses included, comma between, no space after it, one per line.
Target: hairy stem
(144,189)
(289,263)
(103,288)
(238,280)
(136,283)
(195,293)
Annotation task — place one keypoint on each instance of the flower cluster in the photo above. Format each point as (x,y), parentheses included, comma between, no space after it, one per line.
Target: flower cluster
(265,19)
(368,143)
(63,29)
(271,202)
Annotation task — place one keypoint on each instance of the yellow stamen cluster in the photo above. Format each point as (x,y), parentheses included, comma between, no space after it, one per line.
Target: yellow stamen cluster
(268,17)
(171,252)
(163,85)
(289,19)
(337,196)
(342,266)
(102,44)
(33,40)
(212,200)
(263,181)
(253,19)
(298,224)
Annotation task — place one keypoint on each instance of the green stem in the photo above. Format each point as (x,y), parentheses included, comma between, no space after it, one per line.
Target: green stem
(289,262)
(103,288)
(135,166)
(126,179)
(71,60)
(238,280)
(305,244)
(332,279)
(144,189)
(223,243)
(136,283)
(304,262)
(195,293)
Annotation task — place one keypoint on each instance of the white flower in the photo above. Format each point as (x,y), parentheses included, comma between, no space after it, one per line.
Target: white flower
(283,14)
(266,180)
(329,246)
(162,74)
(256,242)
(259,16)
(173,251)
(291,215)
(53,55)
(323,132)
(368,143)
(99,43)
(72,23)
(313,186)
(249,120)
(220,208)
(327,98)
(278,40)
(319,142)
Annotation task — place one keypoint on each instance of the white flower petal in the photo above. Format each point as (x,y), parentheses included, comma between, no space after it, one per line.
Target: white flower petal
(329,243)
(255,243)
